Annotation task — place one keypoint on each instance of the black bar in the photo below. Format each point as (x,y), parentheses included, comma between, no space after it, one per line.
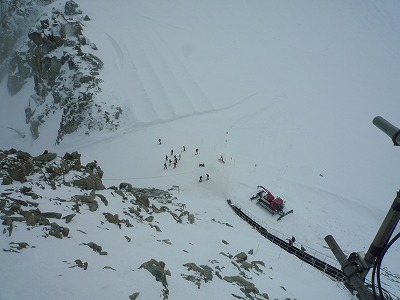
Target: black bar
(392,131)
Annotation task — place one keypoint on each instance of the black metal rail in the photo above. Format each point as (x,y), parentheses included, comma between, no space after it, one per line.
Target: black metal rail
(304,256)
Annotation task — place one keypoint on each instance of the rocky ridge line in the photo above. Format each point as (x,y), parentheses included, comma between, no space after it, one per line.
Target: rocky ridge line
(25,205)
(60,59)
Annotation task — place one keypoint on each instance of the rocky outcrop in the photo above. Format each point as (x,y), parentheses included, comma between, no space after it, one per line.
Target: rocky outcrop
(134,296)
(71,8)
(157,269)
(46,157)
(17,165)
(16,17)
(247,287)
(74,160)
(79,263)
(86,199)
(96,248)
(90,182)
(65,72)
(203,273)
(58,231)
(22,206)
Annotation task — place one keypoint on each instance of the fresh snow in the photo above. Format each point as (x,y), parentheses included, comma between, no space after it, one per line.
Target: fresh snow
(285,91)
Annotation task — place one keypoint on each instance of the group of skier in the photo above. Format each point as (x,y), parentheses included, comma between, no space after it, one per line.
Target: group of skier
(207,178)
(173,159)
(291,241)
(170,161)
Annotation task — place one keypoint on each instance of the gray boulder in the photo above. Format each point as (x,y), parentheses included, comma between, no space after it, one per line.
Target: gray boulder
(46,157)
(112,218)
(55,230)
(157,269)
(88,200)
(126,186)
(7,180)
(133,296)
(17,172)
(91,182)
(71,8)
(144,200)
(247,286)
(241,256)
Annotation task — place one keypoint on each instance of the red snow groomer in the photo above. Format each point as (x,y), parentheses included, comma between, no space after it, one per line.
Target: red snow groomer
(269,202)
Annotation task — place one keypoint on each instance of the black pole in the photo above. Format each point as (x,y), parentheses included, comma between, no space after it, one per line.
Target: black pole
(385,231)
(350,269)
(392,131)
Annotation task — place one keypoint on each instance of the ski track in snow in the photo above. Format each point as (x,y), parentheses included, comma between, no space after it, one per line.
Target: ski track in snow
(118,52)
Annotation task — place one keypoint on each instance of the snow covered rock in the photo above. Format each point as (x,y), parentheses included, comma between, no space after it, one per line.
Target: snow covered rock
(66,75)
(71,8)
(90,182)
(157,269)
(16,17)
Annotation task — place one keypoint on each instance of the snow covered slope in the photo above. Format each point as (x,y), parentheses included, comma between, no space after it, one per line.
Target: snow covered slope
(285,91)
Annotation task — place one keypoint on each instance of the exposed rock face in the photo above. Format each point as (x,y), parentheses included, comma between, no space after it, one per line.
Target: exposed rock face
(247,287)
(16,165)
(203,273)
(157,269)
(90,182)
(24,206)
(71,8)
(89,200)
(66,74)
(46,157)
(16,16)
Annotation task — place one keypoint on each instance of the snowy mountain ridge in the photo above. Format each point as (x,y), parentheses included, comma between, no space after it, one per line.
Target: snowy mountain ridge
(62,63)
(284,91)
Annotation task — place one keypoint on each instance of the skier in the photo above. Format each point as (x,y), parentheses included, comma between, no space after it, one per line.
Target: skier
(197,152)
(166,157)
(201,179)
(165,166)
(159,141)
(208,176)
(221,158)
(172,152)
(170,162)
(303,249)
(175,164)
(184,148)
(179,156)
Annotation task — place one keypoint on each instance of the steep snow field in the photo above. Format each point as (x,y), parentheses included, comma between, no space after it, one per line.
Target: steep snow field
(285,91)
